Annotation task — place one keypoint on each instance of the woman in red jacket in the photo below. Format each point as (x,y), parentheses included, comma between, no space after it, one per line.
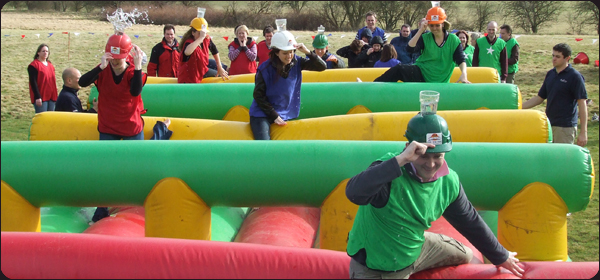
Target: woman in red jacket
(42,81)
(194,54)
(242,52)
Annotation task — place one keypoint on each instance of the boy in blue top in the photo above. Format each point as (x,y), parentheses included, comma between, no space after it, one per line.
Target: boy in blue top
(564,88)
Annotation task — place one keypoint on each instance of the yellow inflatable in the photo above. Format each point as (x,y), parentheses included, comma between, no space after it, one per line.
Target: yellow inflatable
(474,74)
(509,126)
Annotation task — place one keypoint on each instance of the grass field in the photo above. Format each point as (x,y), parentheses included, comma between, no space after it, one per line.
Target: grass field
(84,51)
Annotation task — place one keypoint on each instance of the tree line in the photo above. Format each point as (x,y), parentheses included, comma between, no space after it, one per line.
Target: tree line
(528,16)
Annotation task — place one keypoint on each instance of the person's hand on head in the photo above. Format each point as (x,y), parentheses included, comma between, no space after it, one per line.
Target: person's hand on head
(105,59)
(301,47)
(511,264)
(202,35)
(280,121)
(413,151)
(138,56)
(423,24)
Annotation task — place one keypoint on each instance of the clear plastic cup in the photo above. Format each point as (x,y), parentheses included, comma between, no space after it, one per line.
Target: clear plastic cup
(429,101)
(281,24)
(321,29)
(201,12)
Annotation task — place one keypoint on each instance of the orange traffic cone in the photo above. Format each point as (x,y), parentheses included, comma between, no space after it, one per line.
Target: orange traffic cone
(581,58)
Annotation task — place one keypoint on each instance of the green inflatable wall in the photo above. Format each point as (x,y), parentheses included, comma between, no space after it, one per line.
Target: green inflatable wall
(212,101)
(301,173)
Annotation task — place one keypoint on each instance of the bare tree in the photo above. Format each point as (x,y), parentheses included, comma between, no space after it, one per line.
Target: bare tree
(61,5)
(232,11)
(483,12)
(77,5)
(415,11)
(529,15)
(355,12)
(389,13)
(296,6)
(589,12)
(333,13)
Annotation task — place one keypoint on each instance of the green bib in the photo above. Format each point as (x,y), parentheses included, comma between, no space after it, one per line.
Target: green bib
(509,46)
(437,63)
(469,50)
(489,55)
(393,235)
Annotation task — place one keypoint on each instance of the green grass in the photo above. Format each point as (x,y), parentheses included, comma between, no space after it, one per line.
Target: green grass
(84,53)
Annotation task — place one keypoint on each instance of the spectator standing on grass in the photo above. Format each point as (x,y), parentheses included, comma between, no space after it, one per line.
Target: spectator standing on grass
(242,52)
(439,49)
(67,99)
(42,81)
(371,21)
(467,49)
(491,52)
(564,88)
(278,82)
(165,56)
(388,57)
(352,51)
(194,57)
(264,46)
(512,52)
(400,44)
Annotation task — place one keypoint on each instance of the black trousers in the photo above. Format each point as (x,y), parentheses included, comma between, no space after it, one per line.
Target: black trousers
(402,72)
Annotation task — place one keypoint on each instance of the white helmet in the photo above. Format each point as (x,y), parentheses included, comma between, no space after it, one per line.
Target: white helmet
(283,40)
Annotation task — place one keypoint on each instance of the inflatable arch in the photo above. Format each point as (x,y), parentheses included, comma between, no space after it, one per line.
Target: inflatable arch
(474,74)
(232,101)
(513,126)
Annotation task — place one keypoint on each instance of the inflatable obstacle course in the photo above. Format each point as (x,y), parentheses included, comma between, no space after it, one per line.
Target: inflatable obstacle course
(220,101)
(513,126)
(474,74)
(492,180)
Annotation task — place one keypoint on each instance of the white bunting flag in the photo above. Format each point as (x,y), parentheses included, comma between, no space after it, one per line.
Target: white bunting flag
(37,35)
(594,41)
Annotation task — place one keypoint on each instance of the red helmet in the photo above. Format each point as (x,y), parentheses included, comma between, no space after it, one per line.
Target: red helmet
(118,45)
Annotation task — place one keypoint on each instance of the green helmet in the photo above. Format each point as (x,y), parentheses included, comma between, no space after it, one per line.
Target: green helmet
(320,41)
(430,129)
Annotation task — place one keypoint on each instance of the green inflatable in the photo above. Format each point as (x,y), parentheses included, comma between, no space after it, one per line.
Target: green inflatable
(213,101)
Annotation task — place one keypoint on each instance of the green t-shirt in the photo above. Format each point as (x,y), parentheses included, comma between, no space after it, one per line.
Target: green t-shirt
(489,55)
(469,50)
(509,46)
(437,63)
(394,234)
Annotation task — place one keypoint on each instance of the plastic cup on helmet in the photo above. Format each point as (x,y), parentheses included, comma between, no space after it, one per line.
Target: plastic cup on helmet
(435,4)
(429,101)
(321,29)
(281,24)
(201,12)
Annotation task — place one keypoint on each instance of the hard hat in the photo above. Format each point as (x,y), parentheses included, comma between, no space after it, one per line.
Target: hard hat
(283,40)
(430,129)
(436,15)
(320,41)
(118,45)
(199,23)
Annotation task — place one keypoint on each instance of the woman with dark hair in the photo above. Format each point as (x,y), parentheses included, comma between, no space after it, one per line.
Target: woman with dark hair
(42,81)
(388,57)
(278,82)
(352,52)
(440,53)
(463,36)
(194,54)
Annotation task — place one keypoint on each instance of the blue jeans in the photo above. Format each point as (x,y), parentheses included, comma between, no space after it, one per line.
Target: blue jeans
(261,128)
(108,136)
(46,106)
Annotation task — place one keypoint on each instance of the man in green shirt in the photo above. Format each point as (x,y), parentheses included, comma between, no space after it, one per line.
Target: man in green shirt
(400,195)
(491,52)
(512,52)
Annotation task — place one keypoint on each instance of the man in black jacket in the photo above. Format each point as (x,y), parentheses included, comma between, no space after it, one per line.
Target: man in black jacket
(67,100)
